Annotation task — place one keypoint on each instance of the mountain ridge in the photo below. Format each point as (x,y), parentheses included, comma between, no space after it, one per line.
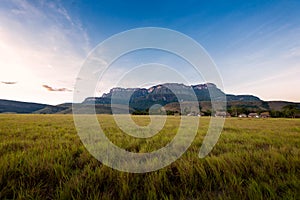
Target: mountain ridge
(141,99)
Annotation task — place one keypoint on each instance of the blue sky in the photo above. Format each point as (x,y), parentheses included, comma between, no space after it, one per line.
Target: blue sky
(255,44)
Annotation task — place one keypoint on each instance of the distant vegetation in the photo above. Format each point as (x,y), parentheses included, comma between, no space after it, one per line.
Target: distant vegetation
(42,157)
(288,111)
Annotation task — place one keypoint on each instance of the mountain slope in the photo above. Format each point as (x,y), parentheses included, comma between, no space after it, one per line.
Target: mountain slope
(9,106)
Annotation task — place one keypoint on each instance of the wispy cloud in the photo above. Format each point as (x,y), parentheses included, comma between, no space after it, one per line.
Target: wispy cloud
(51,89)
(8,82)
(40,42)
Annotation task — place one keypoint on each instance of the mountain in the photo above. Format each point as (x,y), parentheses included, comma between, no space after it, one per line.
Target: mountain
(9,106)
(141,99)
(163,94)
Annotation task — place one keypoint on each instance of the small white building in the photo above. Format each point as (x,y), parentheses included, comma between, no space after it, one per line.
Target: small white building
(222,114)
(253,115)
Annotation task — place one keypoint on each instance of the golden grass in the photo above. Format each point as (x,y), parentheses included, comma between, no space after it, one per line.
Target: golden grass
(42,157)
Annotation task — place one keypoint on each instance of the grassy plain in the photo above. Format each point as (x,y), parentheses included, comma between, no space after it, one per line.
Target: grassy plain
(42,157)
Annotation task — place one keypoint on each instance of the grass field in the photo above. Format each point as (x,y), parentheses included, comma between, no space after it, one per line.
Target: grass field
(42,157)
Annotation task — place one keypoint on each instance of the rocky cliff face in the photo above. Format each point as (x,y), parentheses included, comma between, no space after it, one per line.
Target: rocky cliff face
(142,98)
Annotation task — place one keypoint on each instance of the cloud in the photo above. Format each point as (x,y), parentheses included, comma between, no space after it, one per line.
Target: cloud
(51,89)
(41,42)
(8,82)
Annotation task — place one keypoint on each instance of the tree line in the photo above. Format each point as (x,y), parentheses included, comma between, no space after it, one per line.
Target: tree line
(288,111)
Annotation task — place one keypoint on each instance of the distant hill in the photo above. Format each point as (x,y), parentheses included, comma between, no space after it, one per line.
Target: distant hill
(52,109)
(19,107)
(278,105)
(101,109)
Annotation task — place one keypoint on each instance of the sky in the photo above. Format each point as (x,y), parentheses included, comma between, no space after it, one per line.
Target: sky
(43,44)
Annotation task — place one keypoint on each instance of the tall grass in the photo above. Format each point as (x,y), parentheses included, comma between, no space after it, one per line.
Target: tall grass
(41,157)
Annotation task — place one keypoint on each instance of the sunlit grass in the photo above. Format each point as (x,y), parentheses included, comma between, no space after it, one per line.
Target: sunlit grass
(42,157)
